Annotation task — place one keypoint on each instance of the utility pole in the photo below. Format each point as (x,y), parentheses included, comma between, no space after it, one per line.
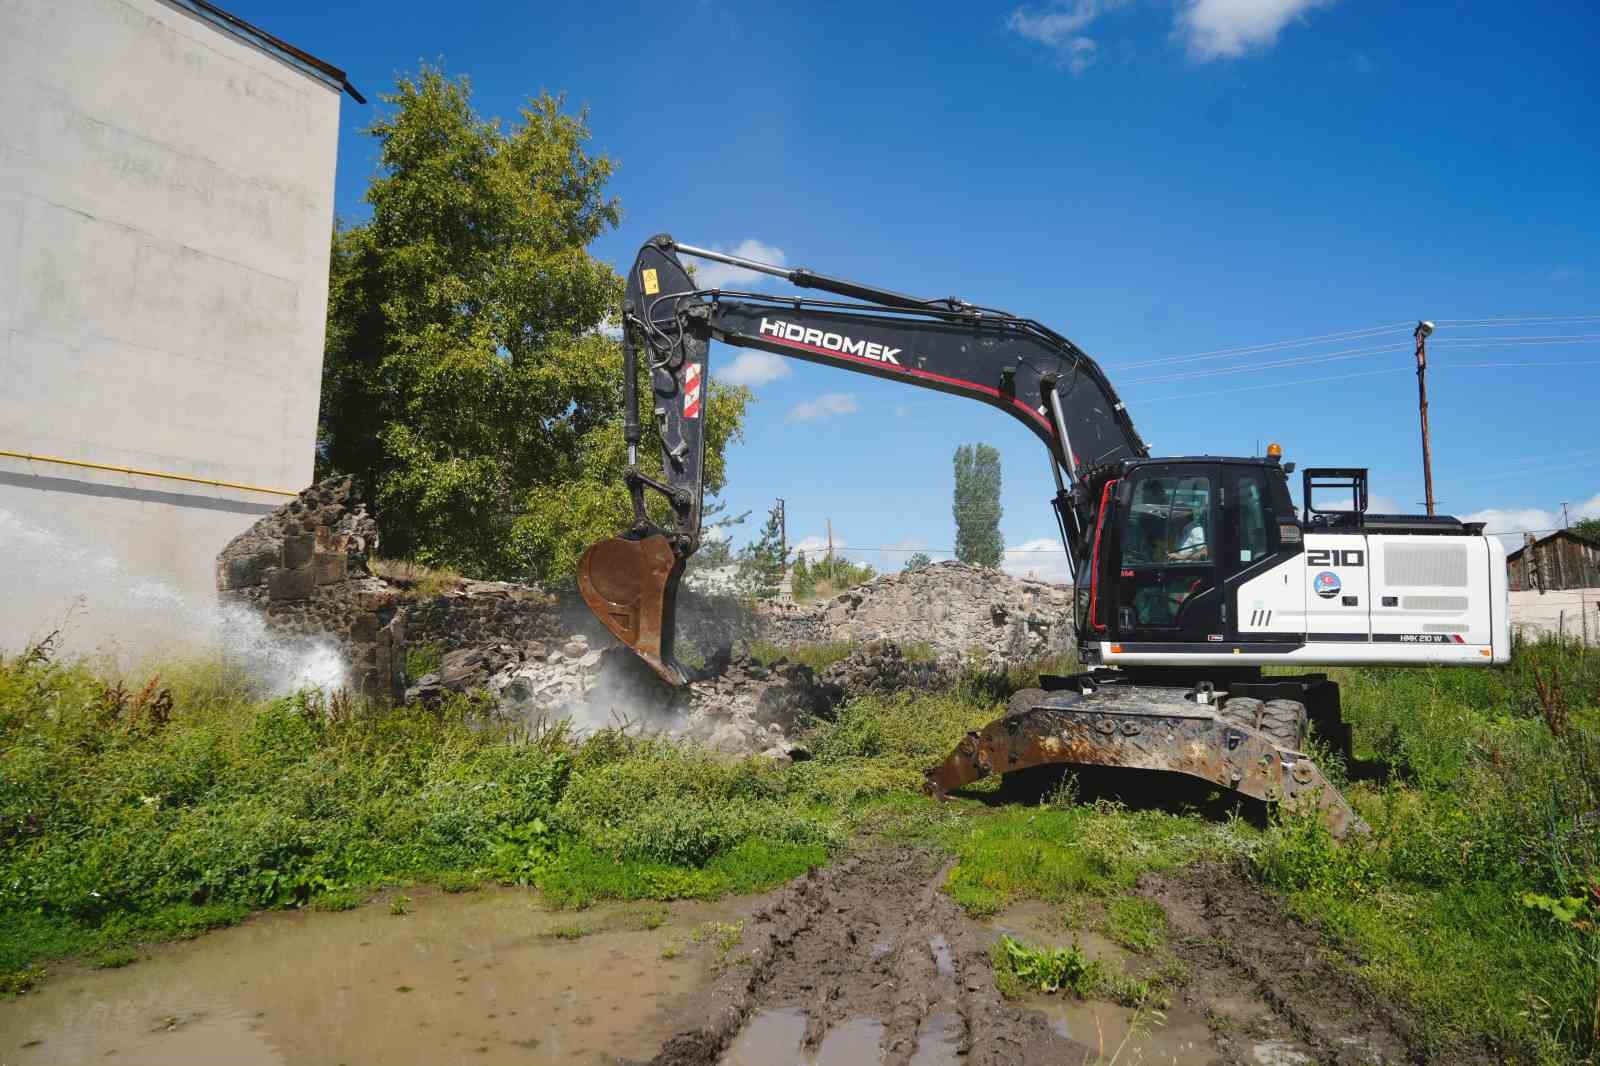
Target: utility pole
(830,548)
(1566,519)
(1424,328)
(783,531)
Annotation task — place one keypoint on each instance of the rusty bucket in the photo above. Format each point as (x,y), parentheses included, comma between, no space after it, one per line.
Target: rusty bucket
(631,584)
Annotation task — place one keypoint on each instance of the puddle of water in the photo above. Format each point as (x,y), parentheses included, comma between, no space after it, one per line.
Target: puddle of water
(473,977)
(941,955)
(939,1041)
(853,1042)
(774,1037)
(769,1038)
(1035,922)
(1279,1053)
(1184,1037)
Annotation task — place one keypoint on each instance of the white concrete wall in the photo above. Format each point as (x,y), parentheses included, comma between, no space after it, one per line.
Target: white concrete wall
(1575,612)
(166,203)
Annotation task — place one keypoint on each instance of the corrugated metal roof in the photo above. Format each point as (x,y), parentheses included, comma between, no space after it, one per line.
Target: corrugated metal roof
(304,61)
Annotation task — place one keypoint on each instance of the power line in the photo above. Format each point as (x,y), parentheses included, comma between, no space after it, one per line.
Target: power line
(1301,342)
(1513,320)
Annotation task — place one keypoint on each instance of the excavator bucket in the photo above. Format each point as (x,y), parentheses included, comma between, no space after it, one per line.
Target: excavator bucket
(631,584)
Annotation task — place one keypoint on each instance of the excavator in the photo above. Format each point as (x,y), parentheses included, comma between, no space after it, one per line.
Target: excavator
(1199,588)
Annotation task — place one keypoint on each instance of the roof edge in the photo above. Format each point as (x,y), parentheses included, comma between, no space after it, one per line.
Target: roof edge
(277,46)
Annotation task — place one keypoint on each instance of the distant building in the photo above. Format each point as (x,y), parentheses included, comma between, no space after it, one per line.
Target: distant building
(166,209)
(1562,560)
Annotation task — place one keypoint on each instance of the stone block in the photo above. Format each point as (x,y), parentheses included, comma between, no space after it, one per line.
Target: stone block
(242,571)
(364,628)
(329,567)
(298,549)
(290,584)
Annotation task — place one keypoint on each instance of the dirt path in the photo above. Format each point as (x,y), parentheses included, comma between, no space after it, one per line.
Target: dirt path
(868,962)
(1255,971)
(865,955)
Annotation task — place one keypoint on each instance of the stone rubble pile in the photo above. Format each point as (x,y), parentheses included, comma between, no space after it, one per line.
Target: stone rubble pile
(541,655)
(986,617)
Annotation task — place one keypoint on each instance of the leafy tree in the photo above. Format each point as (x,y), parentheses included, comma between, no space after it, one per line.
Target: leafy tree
(803,578)
(467,381)
(918,561)
(977,505)
(762,563)
(1588,528)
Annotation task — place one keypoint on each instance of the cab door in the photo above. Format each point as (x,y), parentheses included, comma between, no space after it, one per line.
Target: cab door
(1167,588)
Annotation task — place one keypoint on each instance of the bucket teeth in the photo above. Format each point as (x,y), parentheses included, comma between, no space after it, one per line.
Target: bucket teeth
(631,585)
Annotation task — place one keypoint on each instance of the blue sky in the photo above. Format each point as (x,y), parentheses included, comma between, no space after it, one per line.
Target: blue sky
(1153,178)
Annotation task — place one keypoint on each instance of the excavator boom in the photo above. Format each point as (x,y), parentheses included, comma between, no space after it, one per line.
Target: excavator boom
(1013,364)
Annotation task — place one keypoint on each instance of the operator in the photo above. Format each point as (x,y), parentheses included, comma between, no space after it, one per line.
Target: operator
(1192,542)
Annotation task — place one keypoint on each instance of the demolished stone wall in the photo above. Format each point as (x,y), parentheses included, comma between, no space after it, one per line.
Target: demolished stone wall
(303,569)
(956,609)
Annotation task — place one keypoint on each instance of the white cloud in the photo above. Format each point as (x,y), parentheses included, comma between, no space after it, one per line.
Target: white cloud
(753,368)
(828,405)
(816,547)
(1511,522)
(902,410)
(1227,29)
(712,275)
(715,533)
(1042,558)
(1059,29)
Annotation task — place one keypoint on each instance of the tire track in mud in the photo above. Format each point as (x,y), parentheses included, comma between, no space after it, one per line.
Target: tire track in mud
(873,937)
(1244,952)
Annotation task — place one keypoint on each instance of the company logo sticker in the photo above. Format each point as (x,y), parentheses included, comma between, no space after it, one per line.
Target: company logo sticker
(1326,584)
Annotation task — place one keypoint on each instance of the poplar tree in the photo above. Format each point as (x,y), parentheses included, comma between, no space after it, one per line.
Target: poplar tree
(977,505)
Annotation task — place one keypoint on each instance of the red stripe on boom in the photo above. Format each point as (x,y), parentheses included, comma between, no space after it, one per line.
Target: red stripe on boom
(926,375)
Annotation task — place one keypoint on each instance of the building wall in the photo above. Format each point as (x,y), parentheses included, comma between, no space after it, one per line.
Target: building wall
(1564,561)
(166,204)
(1573,613)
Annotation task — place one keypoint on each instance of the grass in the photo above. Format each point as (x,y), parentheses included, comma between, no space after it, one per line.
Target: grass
(816,656)
(1474,904)
(1021,969)
(424,582)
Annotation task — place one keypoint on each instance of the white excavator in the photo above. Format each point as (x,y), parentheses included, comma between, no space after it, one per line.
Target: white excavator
(1193,573)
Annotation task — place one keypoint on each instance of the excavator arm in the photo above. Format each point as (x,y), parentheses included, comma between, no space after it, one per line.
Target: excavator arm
(1013,364)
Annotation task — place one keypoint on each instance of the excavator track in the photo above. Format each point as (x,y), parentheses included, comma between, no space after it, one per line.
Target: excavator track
(1152,728)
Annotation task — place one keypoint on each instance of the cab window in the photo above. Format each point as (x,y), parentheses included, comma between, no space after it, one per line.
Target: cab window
(1253,545)
(1168,522)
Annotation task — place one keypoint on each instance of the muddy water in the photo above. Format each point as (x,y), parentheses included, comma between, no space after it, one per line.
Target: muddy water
(478,978)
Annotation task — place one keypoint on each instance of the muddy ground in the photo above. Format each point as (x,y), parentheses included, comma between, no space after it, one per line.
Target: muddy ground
(864,962)
(869,962)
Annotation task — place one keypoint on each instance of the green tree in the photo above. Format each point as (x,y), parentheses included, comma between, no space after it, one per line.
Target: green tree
(468,382)
(762,563)
(1588,528)
(918,561)
(802,578)
(977,505)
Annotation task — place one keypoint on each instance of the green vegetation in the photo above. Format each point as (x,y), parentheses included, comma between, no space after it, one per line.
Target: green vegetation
(1476,897)
(424,582)
(976,505)
(918,561)
(827,577)
(468,382)
(131,812)
(763,561)
(1020,969)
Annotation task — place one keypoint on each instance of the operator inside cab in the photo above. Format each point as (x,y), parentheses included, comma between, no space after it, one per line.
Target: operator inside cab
(1192,541)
